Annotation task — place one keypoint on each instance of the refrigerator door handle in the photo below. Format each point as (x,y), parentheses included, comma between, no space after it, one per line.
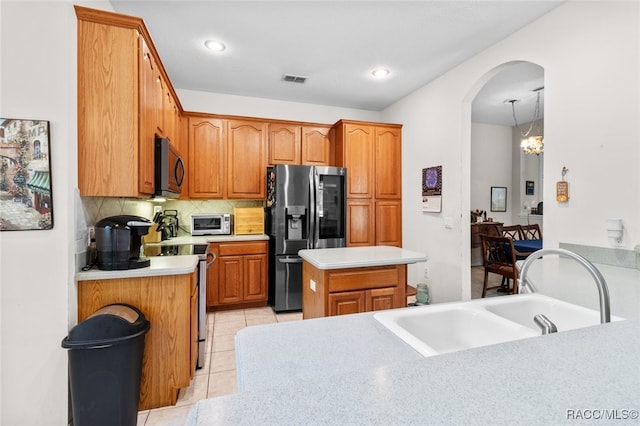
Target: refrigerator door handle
(312,220)
(290,260)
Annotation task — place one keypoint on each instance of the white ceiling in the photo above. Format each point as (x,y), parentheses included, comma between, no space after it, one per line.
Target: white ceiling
(335,44)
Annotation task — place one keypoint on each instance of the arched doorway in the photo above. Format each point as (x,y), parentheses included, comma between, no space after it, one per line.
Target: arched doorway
(508,96)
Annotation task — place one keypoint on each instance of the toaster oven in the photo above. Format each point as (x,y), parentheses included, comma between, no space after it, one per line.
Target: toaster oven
(212,224)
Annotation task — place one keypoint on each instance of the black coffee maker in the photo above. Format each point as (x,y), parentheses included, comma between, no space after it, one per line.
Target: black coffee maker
(118,241)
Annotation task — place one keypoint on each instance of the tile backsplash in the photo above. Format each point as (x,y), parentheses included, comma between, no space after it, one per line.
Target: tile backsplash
(96,208)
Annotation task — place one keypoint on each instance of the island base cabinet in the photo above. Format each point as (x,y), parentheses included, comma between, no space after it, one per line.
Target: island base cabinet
(167,302)
(352,290)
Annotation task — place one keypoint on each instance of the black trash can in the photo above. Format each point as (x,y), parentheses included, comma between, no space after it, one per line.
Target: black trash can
(105,366)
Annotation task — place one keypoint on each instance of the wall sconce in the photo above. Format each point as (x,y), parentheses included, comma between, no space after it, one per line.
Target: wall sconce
(614,230)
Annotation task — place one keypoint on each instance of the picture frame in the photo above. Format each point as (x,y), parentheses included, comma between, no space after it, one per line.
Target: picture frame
(498,198)
(529,187)
(431,181)
(26,201)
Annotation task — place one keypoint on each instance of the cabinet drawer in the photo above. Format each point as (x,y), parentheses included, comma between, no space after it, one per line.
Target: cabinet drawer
(363,278)
(234,249)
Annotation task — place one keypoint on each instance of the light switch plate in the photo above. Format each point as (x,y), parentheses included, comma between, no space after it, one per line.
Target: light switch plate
(312,285)
(448,222)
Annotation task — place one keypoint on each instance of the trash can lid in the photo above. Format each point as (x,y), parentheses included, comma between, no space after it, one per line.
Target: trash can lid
(111,322)
(126,312)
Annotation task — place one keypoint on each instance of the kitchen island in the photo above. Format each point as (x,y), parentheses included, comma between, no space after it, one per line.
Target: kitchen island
(347,280)
(166,293)
(352,370)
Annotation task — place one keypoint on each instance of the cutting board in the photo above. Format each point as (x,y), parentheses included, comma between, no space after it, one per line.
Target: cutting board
(248,220)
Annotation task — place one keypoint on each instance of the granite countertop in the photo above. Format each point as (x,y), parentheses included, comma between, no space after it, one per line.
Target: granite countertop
(352,370)
(357,257)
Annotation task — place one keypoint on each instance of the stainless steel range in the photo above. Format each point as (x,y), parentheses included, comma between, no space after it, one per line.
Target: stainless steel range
(206,260)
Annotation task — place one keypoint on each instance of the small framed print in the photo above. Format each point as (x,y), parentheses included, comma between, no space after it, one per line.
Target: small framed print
(498,199)
(25,175)
(529,187)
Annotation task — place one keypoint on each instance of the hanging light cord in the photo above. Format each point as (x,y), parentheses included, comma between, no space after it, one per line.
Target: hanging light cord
(536,115)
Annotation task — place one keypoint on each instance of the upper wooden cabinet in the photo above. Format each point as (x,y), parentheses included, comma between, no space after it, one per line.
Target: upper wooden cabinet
(246,159)
(121,95)
(206,157)
(284,144)
(298,144)
(371,153)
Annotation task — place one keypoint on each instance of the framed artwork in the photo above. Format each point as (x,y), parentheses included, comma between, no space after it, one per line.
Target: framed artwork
(498,199)
(529,185)
(432,189)
(25,175)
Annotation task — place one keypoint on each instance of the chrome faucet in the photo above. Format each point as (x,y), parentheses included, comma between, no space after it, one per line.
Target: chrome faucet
(603,290)
(545,324)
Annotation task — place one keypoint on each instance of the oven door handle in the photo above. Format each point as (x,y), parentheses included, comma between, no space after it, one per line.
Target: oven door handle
(211,257)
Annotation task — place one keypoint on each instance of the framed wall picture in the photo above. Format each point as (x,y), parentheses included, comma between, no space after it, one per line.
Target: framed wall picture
(529,186)
(498,199)
(25,175)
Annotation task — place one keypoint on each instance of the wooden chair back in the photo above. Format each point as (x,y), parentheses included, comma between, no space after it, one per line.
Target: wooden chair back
(498,257)
(531,232)
(513,231)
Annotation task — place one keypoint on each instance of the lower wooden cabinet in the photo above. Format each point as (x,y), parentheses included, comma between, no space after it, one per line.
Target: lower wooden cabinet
(352,290)
(239,275)
(171,344)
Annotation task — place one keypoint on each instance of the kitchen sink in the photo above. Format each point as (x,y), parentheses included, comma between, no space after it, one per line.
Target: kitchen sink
(450,327)
(566,316)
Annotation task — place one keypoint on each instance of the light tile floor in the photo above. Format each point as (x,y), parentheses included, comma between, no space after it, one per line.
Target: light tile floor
(218,376)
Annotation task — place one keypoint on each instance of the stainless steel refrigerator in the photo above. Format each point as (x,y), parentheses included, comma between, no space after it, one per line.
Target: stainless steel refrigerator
(306,209)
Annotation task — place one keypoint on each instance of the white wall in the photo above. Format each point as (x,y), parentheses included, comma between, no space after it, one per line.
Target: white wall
(491,166)
(591,127)
(38,81)
(218,103)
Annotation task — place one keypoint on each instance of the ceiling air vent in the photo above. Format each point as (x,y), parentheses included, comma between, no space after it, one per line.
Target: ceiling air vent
(294,78)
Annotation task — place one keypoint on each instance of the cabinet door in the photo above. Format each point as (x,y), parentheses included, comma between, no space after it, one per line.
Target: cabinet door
(388,149)
(147,69)
(389,223)
(206,157)
(359,160)
(255,277)
(346,302)
(316,146)
(284,144)
(379,299)
(230,279)
(360,223)
(246,159)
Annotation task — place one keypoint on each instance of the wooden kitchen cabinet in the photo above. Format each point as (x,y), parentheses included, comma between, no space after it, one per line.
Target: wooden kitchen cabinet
(240,275)
(371,152)
(206,157)
(167,302)
(121,85)
(352,290)
(298,144)
(246,159)
(285,145)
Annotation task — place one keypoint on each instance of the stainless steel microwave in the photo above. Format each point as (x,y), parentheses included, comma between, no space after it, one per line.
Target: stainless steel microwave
(169,169)
(212,224)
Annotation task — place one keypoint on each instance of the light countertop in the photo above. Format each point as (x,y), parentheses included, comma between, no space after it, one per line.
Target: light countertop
(203,239)
(351,370)
(358,257)
(160,265)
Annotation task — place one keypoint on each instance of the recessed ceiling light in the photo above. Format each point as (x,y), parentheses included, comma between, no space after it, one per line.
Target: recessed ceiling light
(380,72)
(215,45)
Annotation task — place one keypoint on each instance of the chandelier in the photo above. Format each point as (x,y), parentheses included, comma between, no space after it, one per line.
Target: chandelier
(531,143)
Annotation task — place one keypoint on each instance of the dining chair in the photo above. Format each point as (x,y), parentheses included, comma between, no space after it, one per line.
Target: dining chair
(499,257)
(531,232)
(513,231)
